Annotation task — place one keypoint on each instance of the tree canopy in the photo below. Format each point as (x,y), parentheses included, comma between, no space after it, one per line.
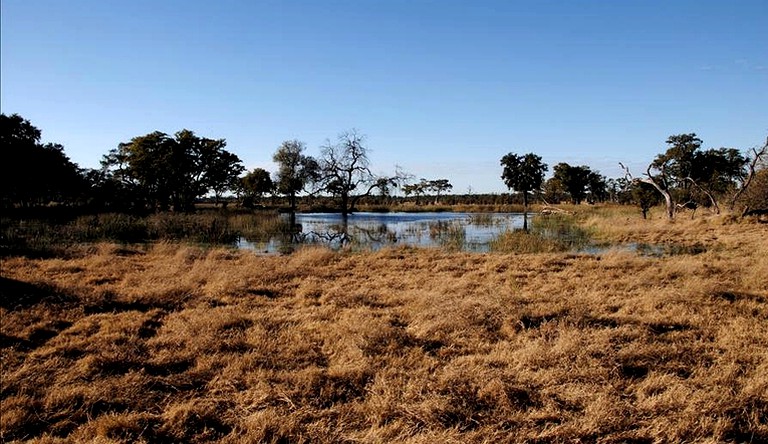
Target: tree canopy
(524,174)
(172,172)
(255,185)
(33,173)
(424,186)
(579,183)
(295,170)
(686,173)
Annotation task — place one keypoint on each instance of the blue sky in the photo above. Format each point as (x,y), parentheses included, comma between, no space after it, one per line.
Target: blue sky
(442,88)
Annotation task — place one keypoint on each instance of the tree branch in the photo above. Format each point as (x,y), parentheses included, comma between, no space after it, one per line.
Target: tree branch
(752,167)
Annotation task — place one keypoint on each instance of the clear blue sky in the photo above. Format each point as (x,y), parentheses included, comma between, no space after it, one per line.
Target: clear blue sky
(442,88)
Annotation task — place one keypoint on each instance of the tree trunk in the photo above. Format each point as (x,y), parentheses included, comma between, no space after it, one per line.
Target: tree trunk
(664,192)
(525,211)
(752,164)
(669,203)
(709,195)
(345,210)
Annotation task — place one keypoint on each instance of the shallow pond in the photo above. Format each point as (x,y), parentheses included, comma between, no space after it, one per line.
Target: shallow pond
(460,231)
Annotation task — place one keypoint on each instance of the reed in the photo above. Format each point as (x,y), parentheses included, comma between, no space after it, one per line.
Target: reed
(41,237)
(482,219)
(548,234)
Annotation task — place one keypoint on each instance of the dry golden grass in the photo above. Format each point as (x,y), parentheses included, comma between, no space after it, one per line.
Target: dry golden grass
(178,344)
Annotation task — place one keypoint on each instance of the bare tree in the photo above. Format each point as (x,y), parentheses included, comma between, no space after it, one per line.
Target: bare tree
(346,171)
(753,162)
(657,182)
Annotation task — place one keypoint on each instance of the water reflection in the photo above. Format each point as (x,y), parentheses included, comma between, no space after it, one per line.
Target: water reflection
(458,231)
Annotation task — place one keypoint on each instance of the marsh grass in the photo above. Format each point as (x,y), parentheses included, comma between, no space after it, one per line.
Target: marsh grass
(450,235)
(176,343)
(260,226)
(483,219)
(548,234)
(45,238)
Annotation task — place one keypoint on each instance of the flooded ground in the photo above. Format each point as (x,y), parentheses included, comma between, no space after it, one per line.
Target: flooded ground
(461,231)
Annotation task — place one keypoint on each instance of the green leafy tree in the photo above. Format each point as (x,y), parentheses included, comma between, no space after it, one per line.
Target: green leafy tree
(715,173)
(685,173)
(172,172)
(597,187)
(255,185)
(645,196)
(678,162)
(32,173)
(523,174)
(416,189)
(440,186)
(216,170)
(295,170)
(580,182)
(619,190)
(553,191)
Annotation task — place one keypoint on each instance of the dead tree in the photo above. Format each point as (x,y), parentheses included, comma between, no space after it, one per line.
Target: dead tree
(657,182)
(757,155)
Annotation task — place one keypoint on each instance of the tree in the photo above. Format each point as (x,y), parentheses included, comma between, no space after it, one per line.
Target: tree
(698,176)
(107,193)
(685,173)
(579,182)
(255,185)
(553,191)
(597,187)
(424,186)
(215,169)
(295,170)
(345,169)
(417,189)
(755,199)
(439,186)
(523,174)
(32,173)
(619,190)
(645,196)
(678,161)
(173,172)
(753,189)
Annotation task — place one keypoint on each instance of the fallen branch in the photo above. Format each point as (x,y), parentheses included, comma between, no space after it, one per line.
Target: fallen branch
(554,210)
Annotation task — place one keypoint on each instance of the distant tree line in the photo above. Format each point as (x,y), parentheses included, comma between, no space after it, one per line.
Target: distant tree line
(684,176)
(162,172)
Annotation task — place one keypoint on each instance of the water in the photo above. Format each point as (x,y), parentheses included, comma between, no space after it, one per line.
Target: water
(460,231)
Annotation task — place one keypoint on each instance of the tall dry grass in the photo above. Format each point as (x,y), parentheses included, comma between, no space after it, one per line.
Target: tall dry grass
(180,344)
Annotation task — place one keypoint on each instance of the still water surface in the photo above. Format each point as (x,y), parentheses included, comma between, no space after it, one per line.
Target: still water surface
(465,231)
